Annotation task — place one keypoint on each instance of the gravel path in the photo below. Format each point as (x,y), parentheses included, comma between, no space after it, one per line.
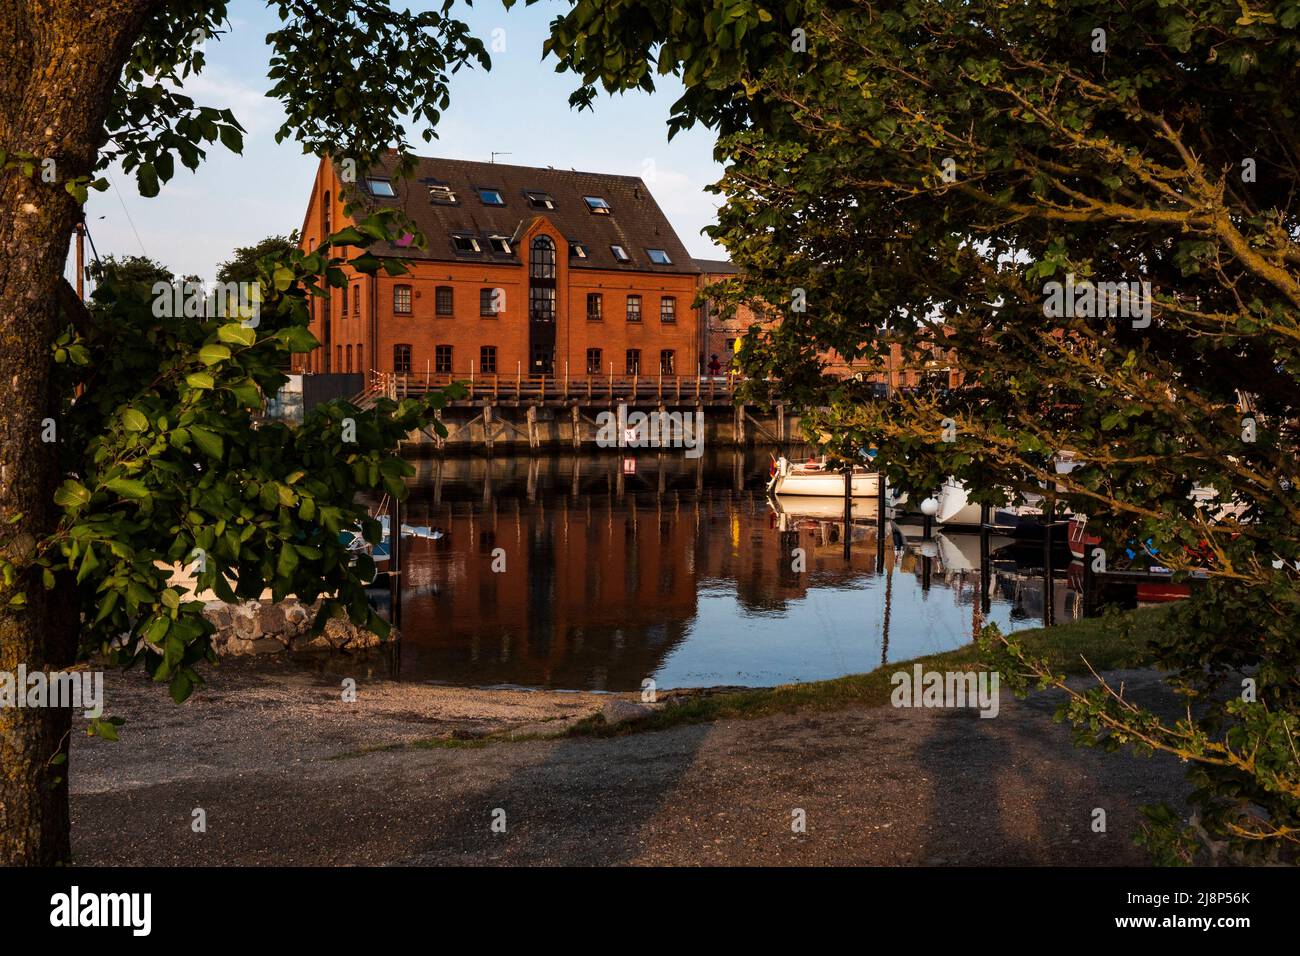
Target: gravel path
(288,773)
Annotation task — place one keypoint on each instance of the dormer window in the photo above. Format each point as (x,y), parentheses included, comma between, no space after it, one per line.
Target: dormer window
(491,197)
(620,254)
(597,205)
(500,245)
(659,257)
(465,244)
(578,251)
(442,194)
(380,187)
(540,200)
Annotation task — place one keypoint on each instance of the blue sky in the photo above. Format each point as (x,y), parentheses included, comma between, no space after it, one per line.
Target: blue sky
(520,107)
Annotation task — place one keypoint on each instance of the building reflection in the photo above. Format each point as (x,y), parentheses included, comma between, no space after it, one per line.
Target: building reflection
(602,563)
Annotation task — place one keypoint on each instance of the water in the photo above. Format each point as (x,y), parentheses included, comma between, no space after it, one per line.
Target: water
(617,570)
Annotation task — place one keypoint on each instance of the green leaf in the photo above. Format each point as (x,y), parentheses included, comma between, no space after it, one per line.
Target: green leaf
(72,494)
(209,442)
(237,334)
(182,686)
(134,420)
(212,354)
(128,488)
(146,178)
(88,564)
(200,380)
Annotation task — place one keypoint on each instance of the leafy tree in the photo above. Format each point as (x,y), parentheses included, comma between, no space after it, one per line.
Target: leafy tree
(157,453)
(242,266)
(920,173)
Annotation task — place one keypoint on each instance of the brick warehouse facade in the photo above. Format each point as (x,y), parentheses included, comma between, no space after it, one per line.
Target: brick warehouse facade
(527,272)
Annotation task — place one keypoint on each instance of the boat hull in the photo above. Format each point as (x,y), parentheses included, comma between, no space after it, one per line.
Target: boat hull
(827,485)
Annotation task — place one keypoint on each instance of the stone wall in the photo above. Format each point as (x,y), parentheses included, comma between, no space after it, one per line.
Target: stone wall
(264,627)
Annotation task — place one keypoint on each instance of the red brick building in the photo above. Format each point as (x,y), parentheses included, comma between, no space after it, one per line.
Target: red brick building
(527,272)
(721,332)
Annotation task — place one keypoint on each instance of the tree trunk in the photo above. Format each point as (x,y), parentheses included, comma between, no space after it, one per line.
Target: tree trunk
(58,71)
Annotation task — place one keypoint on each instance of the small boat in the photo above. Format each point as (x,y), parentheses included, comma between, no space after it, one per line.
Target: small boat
(1161,592)
(1078,537)
(956,508)
(815,479)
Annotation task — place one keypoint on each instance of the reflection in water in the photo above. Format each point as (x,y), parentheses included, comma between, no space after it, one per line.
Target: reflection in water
(617,570)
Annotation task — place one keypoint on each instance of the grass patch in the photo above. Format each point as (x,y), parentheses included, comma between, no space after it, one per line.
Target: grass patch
(1116,640)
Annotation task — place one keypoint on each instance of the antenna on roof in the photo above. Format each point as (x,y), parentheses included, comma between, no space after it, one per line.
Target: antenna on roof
(496,153)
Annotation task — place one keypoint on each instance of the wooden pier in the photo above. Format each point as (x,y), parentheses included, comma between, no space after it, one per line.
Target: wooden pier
(548,412)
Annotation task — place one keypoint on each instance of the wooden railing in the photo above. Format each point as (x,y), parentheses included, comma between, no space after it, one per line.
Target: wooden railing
(561,388)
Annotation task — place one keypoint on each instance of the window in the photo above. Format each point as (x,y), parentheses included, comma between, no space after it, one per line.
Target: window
(633,361)
(443,300)
(667,309)
(667,362)
(543,360)
(540,200)
(442,194)
(597,205)
(541,303)
(487,359)
(578,250)
(401,358)
(361,357)
(595,307)
(491,197)
(380,187)
(500,245)
(402,299)
(659,257)
(593,361)
(634,308)
(442,359)
(348,353)
(465,244)
(356,299)
(491,302)
(338,358)
(620,253)
(542,263)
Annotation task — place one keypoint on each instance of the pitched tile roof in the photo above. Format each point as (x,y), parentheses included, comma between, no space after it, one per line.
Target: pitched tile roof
(635,221)
(717,267)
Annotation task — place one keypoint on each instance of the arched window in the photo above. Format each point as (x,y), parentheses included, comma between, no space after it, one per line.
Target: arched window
(542,261)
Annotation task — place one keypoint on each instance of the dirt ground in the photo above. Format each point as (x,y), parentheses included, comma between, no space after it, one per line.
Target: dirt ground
(285,772)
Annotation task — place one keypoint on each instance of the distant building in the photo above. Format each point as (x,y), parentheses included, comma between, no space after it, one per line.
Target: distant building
(721,332)
(528,271)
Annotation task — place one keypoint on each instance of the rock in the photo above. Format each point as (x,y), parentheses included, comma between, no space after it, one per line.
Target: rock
(256,628)
(218,612)
(244,621)
(297,618)
(618,711)
(271,619)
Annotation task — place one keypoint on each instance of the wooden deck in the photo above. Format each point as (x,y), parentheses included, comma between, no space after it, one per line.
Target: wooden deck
(559,390)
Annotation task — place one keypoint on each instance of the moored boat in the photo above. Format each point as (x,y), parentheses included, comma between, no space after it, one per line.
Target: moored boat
(815,479)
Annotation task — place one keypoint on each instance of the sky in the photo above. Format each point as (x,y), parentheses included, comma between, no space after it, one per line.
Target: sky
(519,108)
